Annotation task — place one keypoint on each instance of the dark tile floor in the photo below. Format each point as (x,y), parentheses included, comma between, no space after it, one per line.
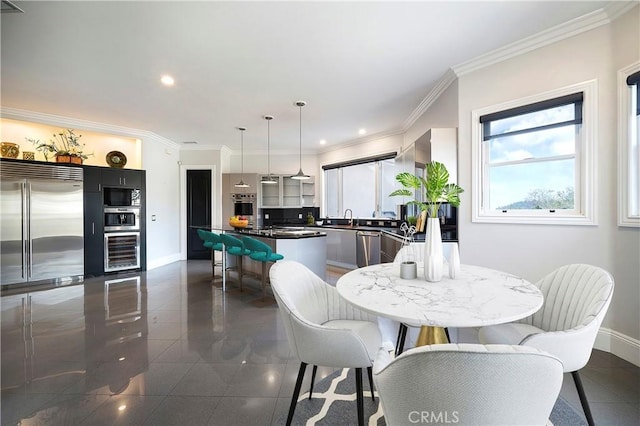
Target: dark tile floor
(166,347)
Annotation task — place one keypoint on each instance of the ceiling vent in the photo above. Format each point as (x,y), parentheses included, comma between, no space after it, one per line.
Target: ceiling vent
(9,7)
(189,143)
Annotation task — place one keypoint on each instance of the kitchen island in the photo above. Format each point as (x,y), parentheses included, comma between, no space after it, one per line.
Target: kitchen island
(306,246)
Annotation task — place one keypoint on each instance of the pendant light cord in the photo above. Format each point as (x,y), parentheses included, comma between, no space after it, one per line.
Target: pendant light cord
(268,149)
(300,107)
(241,184)
(242,155)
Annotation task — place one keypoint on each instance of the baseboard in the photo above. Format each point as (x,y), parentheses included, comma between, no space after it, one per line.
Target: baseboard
(156,263)
(618,344)
(341,265)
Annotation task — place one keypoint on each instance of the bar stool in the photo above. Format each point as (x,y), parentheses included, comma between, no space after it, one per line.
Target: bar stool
(235,247)
(213,242)
(261,252)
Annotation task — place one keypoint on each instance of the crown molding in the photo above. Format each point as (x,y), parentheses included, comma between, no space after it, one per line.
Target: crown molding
(552,35)
(362,140)
(438,89)
(58,120)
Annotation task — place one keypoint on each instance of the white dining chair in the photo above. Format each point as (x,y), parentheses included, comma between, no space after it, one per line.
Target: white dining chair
(468,384)
(322,328)
(576,299)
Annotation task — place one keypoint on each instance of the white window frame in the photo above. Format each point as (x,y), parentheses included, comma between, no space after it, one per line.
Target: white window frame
(627,132)
(377,162)
(585,191)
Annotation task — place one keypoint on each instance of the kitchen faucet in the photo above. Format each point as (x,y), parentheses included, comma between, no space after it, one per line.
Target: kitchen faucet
(350,216)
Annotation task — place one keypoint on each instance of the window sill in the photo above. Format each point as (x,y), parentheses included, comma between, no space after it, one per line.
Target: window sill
(531,219)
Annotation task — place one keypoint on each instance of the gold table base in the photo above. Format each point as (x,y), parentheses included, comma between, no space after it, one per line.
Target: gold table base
(431,336)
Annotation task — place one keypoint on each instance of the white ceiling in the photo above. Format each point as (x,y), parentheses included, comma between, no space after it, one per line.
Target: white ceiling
(357,64)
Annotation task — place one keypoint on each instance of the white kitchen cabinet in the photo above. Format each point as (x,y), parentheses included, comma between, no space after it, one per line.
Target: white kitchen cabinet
(440,145)
(287,193)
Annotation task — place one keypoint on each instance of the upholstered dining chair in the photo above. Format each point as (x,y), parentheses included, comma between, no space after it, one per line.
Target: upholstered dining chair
(235,247)
(261,252)
(468,384)
(322,328)
(576,299)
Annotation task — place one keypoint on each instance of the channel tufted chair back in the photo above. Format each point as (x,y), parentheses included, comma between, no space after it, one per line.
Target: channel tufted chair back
(306,302)
(322,328)
(468,384)
(574,296)
(576,299)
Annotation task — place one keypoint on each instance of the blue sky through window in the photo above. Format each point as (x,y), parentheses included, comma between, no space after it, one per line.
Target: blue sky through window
(512,177)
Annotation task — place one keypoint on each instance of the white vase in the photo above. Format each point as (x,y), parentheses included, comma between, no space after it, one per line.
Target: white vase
(433,258)
(454,261)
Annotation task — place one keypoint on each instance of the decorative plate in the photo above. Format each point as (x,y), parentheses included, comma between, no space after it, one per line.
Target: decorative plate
(116,159)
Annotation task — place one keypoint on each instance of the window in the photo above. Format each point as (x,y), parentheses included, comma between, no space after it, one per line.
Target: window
(532,159)
(629,146)
(362,185)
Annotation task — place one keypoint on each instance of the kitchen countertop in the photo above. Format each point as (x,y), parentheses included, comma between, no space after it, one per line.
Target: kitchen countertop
(394,232)
(281,233)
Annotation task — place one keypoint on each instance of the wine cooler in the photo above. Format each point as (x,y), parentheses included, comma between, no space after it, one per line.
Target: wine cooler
(121,251)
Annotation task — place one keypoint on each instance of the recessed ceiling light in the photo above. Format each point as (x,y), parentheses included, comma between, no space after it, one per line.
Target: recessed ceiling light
(167,80)
(323,141)
(362,132)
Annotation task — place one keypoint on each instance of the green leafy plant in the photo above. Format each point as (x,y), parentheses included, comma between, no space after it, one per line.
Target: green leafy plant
(436,187)
(64,143)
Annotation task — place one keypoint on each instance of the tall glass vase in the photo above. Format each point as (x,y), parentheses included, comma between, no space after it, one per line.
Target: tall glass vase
(433,258)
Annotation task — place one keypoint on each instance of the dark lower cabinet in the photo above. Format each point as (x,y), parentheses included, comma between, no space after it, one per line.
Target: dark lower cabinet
(93,234)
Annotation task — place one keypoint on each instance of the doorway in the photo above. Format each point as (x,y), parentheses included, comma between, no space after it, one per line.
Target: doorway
(198,211)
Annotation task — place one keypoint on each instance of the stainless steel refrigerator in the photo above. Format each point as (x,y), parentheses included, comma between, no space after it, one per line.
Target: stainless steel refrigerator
(41,222)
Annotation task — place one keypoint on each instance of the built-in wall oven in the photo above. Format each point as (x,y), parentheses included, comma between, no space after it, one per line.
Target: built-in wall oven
(121,219)
(121,229)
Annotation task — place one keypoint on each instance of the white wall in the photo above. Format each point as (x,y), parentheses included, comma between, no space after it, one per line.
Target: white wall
(96,144)
(160,159)
(443,113)
(282,163)
(533,250)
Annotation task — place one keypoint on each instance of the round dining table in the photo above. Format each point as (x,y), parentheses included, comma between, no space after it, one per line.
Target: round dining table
(477,296)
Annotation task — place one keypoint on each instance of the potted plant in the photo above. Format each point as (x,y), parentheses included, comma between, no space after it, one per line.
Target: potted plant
(437,190)
(65,146)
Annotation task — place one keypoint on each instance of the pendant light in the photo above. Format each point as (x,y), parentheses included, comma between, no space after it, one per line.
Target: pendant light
(241,184)
(268,180)
(300,175)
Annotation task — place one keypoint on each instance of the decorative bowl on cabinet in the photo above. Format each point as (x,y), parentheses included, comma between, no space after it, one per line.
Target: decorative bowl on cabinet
(10,149)
(116,159)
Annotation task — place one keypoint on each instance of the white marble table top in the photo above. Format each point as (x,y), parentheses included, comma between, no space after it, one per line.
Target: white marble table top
(476,297)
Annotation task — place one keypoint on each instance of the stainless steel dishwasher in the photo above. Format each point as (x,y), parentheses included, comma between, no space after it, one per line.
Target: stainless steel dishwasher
(367,248)
(390,245)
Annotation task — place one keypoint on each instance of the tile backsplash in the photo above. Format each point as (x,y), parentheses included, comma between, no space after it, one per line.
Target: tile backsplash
(288,216)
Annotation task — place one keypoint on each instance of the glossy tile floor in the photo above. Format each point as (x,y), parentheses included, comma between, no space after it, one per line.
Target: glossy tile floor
(166,347)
